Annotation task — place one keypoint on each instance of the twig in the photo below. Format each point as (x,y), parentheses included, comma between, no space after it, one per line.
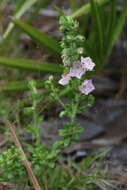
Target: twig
(25,161)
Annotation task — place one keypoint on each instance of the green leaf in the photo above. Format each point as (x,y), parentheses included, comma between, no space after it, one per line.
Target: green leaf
(87,8)
(19,85)
(30,65)
(36,9)
(40,37)
(25,6)
(119,27)
(98,26)
(111,20)
(23,85)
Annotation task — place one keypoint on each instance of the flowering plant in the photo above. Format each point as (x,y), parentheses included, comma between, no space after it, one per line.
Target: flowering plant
(73,79)
(78,90)
(72,55)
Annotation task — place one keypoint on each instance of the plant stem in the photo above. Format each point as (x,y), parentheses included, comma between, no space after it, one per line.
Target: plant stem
(35,121)
(25,161)
(74,108)
(57,96)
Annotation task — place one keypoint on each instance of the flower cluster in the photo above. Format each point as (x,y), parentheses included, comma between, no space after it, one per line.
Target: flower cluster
(72,41)
(72,55)
(78,69)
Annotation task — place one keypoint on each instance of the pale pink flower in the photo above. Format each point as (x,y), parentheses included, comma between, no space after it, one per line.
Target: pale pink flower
(77,70)
(65,79)
(88,64)
(86,87)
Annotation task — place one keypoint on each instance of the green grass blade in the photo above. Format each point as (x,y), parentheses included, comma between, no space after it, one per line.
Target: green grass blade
(111,20)
(16,86)
(87,8)
(30,65)
(19,86)
(25,6)
(36,10)
(98,27)
(118,28)
(40,37)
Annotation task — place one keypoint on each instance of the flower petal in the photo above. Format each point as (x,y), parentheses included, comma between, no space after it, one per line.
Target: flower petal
(86,87)
(65,79)
(77,70)
(88,64)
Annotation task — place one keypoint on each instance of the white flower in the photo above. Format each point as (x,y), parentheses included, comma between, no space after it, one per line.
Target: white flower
(65,79)
(88,64)
(87,87)
(77,70)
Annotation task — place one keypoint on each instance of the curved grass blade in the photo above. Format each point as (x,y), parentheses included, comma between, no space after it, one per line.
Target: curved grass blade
(87,8)
(40,37)
(30,65)
(25,6)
